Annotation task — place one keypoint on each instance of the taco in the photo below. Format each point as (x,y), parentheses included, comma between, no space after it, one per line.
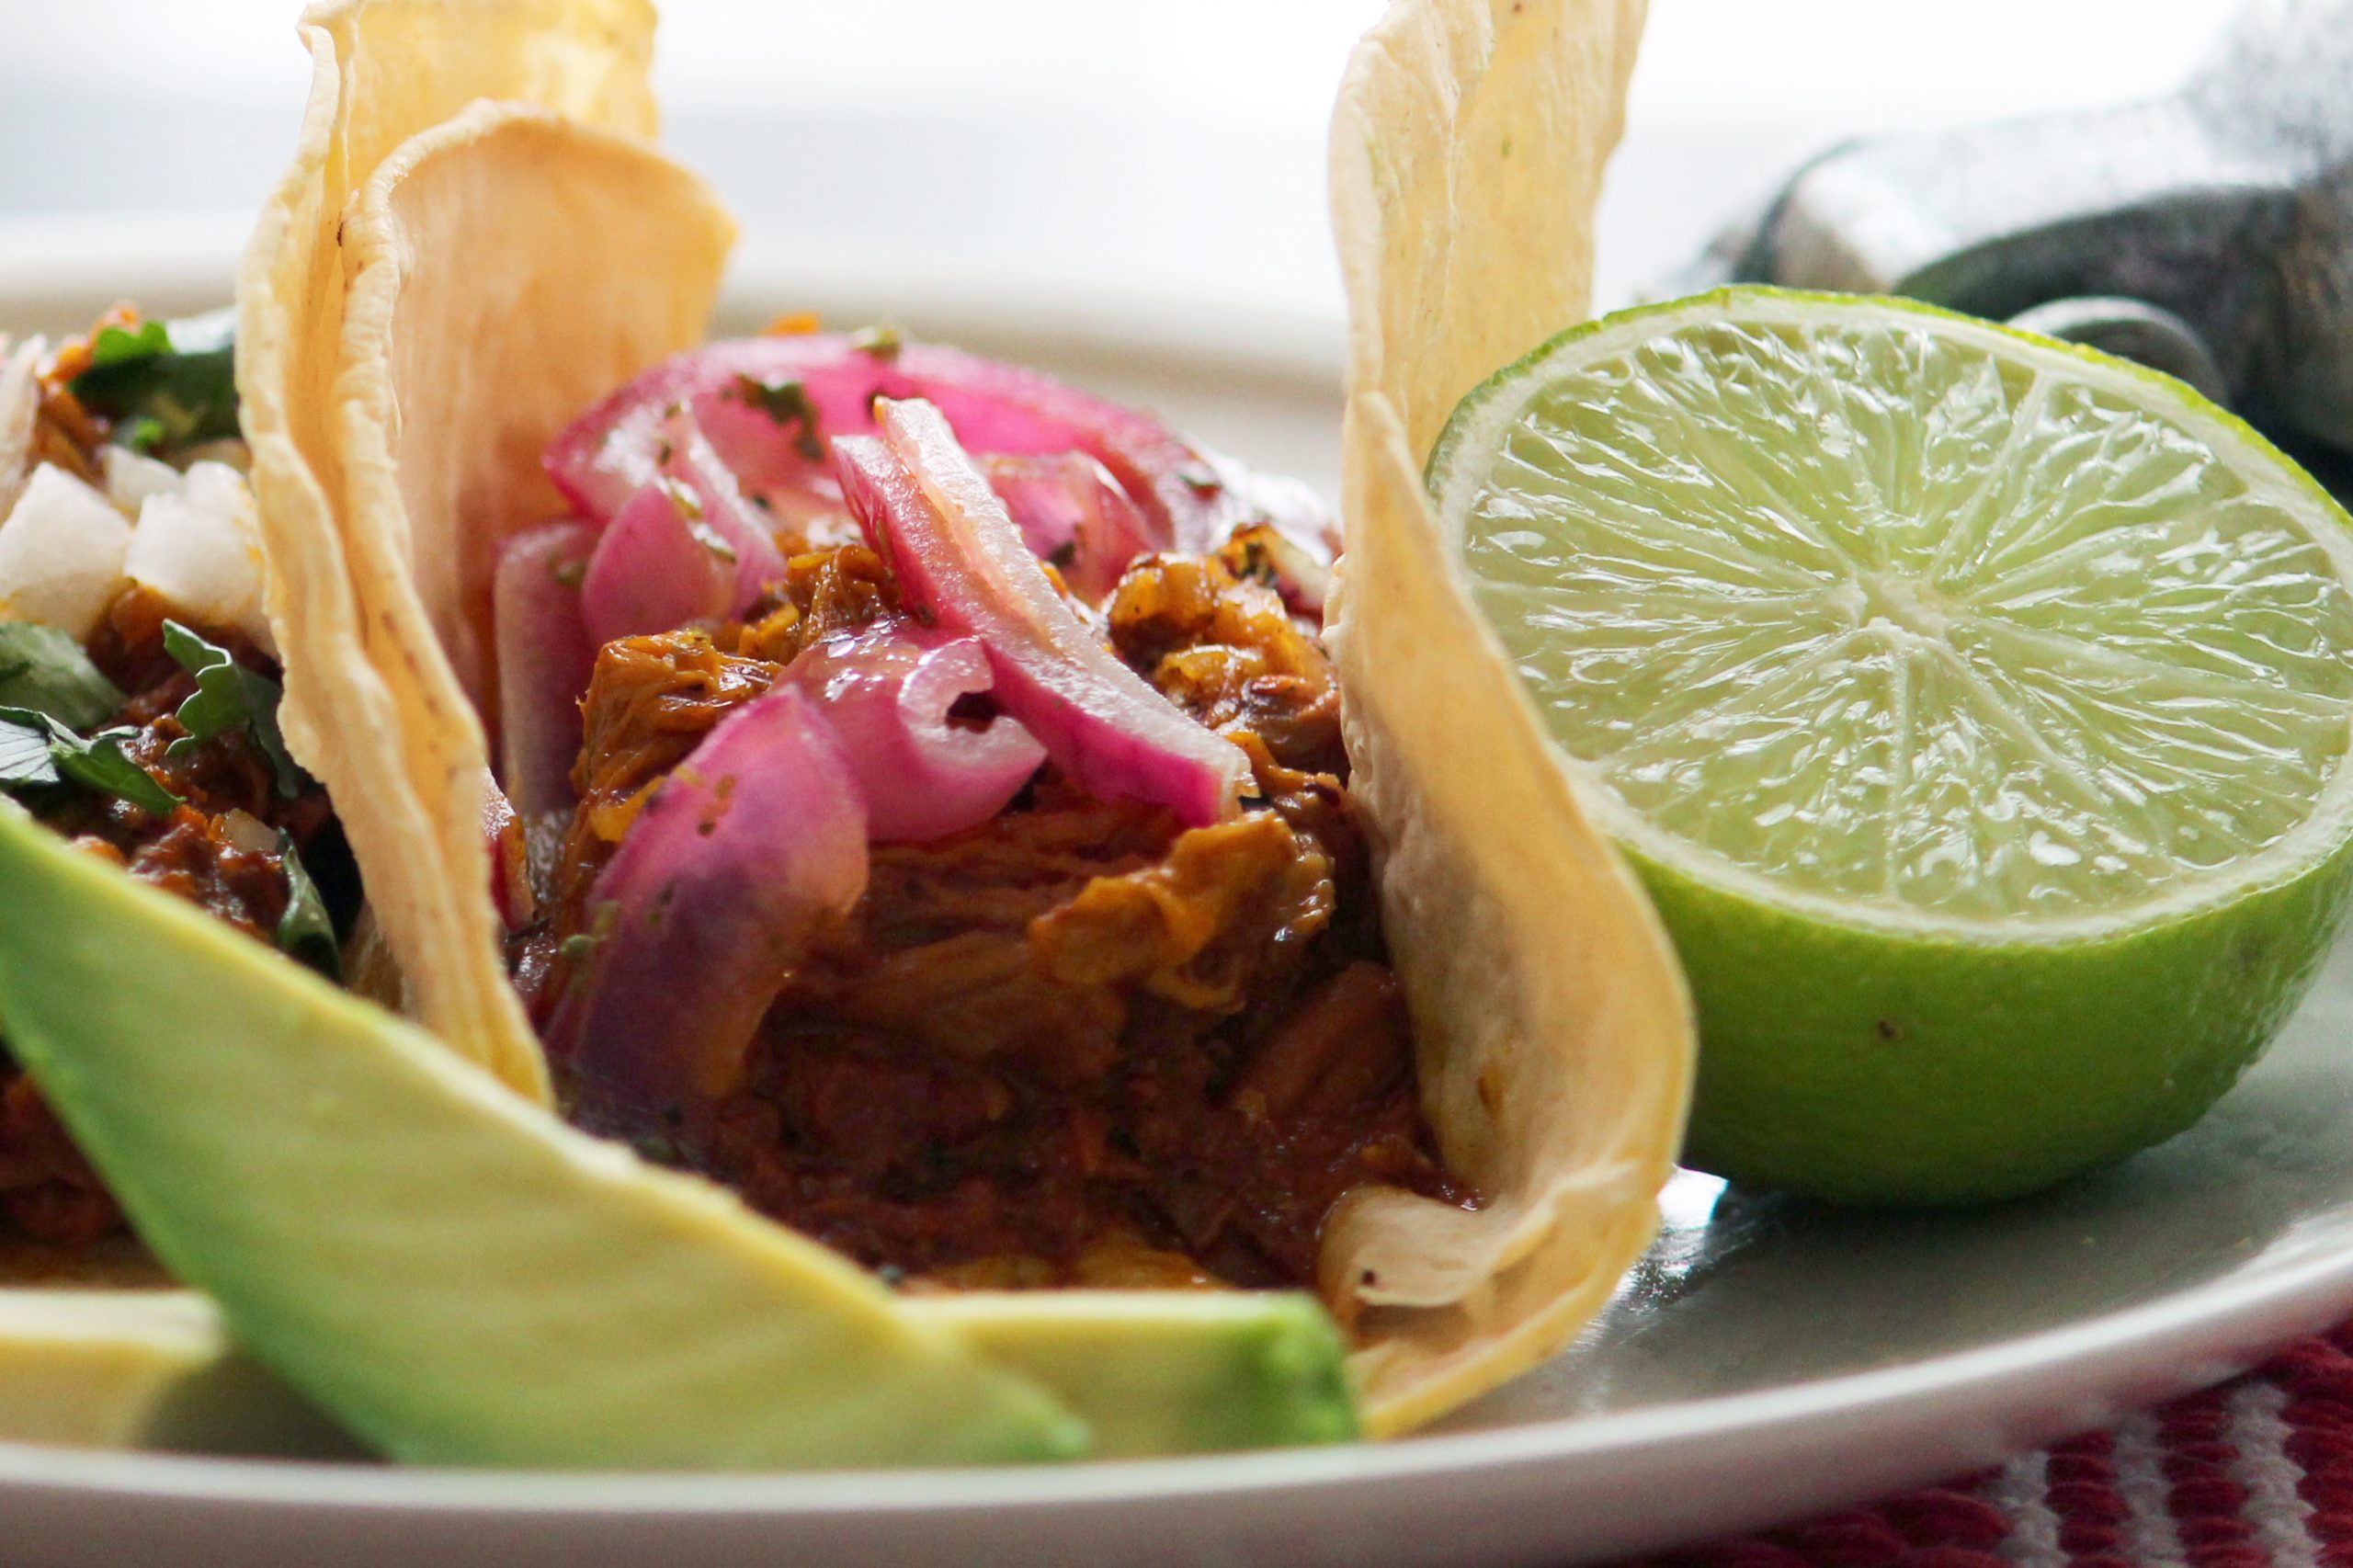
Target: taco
(139,688)
(899,788)
(939,824)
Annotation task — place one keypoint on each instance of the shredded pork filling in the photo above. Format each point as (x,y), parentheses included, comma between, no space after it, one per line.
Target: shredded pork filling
(1078,1044)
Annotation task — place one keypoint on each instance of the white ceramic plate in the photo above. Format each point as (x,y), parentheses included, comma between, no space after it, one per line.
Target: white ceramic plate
(1768,1359)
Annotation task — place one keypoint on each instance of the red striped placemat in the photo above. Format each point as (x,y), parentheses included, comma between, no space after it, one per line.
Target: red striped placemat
(2256,1473)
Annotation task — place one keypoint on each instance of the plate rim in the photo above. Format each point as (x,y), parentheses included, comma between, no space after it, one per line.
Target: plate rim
(2003,1392)
(2112,1344)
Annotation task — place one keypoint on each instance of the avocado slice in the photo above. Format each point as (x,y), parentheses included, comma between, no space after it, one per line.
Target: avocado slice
(141,1368)
(1170,1371)
(451,1272)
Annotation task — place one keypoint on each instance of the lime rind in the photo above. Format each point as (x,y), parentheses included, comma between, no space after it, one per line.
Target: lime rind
(1865,1067)
(1881,585)
(1981,746)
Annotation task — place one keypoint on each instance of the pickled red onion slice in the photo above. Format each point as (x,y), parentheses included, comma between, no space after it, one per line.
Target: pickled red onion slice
(545,658)
(730,867)
(657,567)
(887,692)
(1073,514)
(749,395)
(960,562)
(663,443)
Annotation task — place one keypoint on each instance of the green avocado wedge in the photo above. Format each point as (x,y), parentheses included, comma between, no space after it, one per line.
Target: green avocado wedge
(451,1273)
(1170,1371)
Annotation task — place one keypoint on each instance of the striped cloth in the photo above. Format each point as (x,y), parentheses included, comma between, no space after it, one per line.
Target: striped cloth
(2256,1473)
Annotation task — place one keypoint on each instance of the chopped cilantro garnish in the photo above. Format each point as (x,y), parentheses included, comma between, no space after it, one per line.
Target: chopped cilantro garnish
(788,403)
(45,670)
(97,762)
(117,346)
(100,763)
(581,946)
(569,573)
(305,932)
(143,433)
(657,1148)
(882,340)
(228,696)
(166,384)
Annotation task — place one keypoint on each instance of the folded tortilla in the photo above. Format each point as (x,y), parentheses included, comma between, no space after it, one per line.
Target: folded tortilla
(385,728)
(1467,153)
(492,269)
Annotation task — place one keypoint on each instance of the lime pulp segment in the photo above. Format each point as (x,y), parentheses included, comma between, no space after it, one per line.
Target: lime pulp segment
(1921,621)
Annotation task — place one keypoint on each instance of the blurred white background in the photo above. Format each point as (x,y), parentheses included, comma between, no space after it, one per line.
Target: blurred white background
(1172,147)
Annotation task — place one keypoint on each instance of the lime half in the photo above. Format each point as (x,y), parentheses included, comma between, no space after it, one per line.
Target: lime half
(1975,705)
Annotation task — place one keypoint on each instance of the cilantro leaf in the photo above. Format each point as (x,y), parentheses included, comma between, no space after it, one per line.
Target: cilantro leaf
(786,402)
(100,763)
(228,696)
(168,384)
(305,932)
(45,670)
(115,346)
(24,756)
(97,762)
(142,432)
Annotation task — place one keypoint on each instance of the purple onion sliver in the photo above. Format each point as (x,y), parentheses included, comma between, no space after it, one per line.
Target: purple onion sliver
(958,557)
(1186,496)
(887,693)
(657,568)
(714,893)
(690,460)
(1072,513)
(545,657)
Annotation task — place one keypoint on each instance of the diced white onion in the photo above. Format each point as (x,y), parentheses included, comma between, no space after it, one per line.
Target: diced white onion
(132,477)
(229,451)
(249,832)
(20,404)
(217,487)
(200,551)
(62,553)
